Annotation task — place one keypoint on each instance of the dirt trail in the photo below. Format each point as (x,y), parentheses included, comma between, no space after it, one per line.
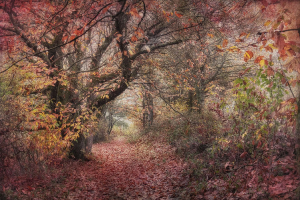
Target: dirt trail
(127,171)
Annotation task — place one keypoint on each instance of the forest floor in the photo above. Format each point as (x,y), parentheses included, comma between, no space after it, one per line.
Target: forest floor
(117,170)
(141,170)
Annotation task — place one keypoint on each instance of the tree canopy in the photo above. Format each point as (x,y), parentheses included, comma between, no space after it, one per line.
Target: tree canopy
(222,69)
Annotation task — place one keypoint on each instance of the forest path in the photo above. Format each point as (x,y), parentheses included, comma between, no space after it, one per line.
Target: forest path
(128,171)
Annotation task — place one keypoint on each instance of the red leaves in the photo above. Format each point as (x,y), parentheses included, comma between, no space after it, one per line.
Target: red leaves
(270,71)
(125,171)
(248,55)
(243,155)
(244,72)
(279,41)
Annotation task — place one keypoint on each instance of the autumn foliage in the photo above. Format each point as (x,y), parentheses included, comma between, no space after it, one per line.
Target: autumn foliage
(207,93)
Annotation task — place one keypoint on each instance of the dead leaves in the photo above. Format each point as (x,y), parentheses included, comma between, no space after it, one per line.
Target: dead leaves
(225,42)
(128,172)
(248,55)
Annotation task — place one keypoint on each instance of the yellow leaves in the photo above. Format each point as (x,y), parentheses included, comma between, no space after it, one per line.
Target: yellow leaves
(248,55)
(233,49)
(272,46)
(219,48)
(130,52)
(105,97)
(267,23)
(244,134)
(263,63)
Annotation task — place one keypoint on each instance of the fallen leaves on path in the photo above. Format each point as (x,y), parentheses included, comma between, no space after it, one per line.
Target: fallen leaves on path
(120,170)
(125,171)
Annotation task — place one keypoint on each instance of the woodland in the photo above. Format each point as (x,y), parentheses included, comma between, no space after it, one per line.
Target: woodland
(150,99)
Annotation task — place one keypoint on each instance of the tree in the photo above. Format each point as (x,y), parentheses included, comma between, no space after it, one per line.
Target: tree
(86,53)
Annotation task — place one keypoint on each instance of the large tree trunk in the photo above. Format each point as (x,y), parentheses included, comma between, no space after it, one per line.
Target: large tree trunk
(148,109)
(77,149)
(81,147)
(89,144)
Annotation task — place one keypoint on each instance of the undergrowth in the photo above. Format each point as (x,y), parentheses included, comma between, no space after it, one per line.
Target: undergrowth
(225,162)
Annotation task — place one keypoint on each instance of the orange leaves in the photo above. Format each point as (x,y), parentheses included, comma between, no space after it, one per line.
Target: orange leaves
(65,38)
(219,48)
(248,55)
(258,59)
(134,12)
(72,37)
(243,34)
(261,61)
(79,31)
(139,33)
(210,35)
(268,48)
(225,42)
(178,15)
(134,39)
(75,34)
